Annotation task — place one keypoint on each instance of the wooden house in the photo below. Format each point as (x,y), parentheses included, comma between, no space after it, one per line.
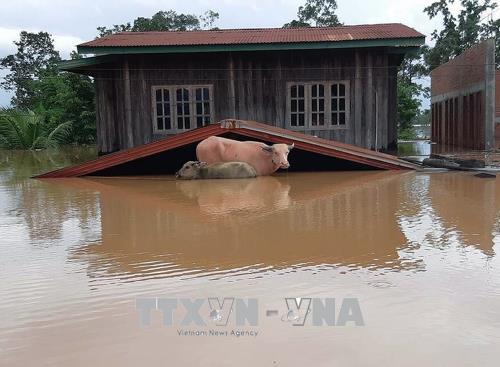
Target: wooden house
(335,83)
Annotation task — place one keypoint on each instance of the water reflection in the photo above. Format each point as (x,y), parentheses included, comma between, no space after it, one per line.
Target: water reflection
(418,148)
(269,223)
(453,208)
(237,196)
(168,228)
(43,207)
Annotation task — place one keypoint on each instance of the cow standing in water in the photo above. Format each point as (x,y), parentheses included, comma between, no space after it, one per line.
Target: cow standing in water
(264,158)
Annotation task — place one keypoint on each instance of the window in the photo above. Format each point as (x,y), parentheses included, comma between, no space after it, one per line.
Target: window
(202,101)
(338,104)
(181,107)
(318,105)
(183,113)
(297,98)
(163,120)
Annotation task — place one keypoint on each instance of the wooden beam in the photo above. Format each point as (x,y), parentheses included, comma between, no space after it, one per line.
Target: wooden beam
(129,133)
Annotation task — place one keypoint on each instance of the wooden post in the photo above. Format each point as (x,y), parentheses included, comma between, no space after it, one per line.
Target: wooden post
(370,144)
(232,94)
(358,100)
(129,138)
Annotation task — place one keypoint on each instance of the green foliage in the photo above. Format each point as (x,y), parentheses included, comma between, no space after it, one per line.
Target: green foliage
(29,130)
(208,19)
(407,134)
(317,13)
(35,58)
(424,117)
(68,97)
(461,31)
(164,21)
(408,107)
(57,96)
(410,93)
(413,66)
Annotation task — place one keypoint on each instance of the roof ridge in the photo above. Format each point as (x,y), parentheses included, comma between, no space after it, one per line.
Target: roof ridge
(249,36)
(262,29)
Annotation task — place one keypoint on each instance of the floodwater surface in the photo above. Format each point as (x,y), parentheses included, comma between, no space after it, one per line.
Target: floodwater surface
(417,252)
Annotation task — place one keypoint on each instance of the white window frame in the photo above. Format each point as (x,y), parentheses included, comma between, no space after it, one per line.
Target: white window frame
(328,105)
(173,106)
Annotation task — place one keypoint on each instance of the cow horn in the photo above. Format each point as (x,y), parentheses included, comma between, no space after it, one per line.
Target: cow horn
(290,147)
(267,148)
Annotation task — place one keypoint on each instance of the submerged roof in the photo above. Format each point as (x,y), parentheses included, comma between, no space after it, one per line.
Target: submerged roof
(247,129)
(367,35)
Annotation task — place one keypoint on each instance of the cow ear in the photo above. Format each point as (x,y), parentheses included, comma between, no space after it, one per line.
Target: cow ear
(267,148)
(290,147)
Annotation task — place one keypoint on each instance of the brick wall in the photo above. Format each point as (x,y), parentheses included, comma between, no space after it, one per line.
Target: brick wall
(463,71)
(463,103)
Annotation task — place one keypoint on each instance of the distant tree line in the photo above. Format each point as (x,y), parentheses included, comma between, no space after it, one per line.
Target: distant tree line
(51,107)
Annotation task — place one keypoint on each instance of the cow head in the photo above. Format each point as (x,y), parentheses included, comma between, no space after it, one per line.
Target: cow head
(190,170)
(279,154)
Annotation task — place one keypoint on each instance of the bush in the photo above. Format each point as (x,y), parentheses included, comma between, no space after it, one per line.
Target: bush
(29,130)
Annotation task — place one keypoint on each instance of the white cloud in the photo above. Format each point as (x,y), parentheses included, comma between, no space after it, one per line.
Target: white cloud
(7,37)
(66,44)
(62,43)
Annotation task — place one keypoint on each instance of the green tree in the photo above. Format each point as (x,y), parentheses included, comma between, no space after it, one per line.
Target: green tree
(408,108)
(55,96)
(317,13)
(27,130)
(462,31)
(67,96)
(35,58)
(410,92)
(164,21)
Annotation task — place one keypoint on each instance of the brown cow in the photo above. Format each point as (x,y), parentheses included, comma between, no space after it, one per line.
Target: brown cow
(264,158)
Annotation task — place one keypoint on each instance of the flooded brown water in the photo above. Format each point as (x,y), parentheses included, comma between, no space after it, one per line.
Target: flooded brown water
(417,251)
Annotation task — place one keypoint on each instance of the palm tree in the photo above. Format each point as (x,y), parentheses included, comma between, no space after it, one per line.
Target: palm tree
(28,130)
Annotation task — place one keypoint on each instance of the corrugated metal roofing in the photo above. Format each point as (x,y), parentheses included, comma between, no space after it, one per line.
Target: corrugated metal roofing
(249,129)
(257,36)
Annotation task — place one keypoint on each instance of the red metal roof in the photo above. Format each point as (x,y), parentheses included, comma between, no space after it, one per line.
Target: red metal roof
(249,129)
(257,36)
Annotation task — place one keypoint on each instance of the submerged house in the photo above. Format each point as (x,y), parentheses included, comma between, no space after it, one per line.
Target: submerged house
(335,83)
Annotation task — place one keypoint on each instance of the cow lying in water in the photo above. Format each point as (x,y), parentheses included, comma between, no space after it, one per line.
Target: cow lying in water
(264,158)
(194,170)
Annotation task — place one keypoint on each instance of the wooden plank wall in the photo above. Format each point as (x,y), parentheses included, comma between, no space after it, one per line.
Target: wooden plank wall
(249,86)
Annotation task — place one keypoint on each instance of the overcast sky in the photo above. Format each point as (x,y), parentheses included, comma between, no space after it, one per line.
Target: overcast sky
(73,21)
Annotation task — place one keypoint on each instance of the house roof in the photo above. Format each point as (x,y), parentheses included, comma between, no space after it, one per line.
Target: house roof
(246,129)
(392,34)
